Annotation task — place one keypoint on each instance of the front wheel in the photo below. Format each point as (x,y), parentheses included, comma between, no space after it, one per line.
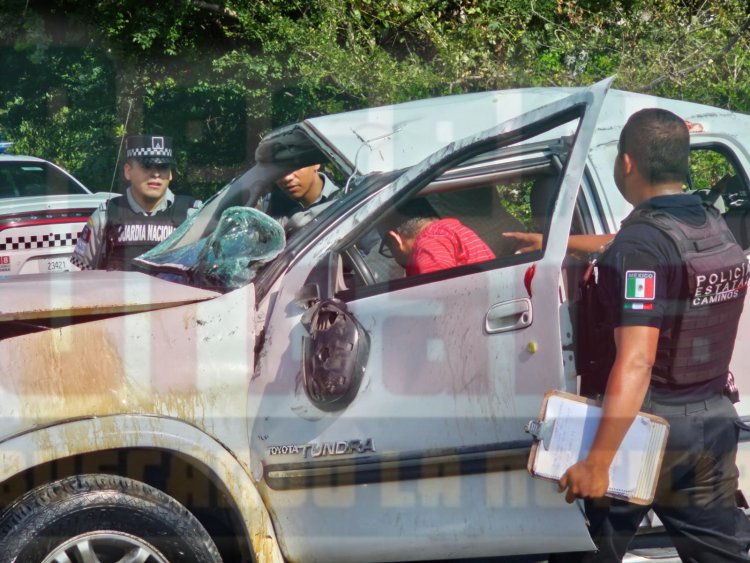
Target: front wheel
(100,518)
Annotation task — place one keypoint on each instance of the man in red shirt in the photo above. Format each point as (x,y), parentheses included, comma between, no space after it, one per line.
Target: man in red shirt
(421,242)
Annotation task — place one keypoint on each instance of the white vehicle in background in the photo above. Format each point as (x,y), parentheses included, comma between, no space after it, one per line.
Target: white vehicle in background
(42,211)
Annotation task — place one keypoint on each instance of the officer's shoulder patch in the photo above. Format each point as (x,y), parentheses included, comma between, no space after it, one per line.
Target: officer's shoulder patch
(640,285)
(80,247)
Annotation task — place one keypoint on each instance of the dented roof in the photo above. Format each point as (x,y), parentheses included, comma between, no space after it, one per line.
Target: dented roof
(397,136)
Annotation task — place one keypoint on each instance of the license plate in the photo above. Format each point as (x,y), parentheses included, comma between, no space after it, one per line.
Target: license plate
(56,264)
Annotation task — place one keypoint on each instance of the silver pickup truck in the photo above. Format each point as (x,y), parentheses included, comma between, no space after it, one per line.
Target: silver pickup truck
(269,396)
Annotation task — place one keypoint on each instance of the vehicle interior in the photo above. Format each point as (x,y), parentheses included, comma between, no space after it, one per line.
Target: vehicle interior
(511,190)
(716,175)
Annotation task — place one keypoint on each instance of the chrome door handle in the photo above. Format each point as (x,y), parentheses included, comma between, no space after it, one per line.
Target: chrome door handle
(509,315)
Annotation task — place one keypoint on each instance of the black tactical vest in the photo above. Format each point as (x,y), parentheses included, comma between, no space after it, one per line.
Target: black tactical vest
(698,346)
(129,234)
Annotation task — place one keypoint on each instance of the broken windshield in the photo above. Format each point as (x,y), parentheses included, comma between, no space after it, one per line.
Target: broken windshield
(243,241)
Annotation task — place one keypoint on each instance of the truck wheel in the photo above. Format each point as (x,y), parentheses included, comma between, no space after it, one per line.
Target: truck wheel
(101,518)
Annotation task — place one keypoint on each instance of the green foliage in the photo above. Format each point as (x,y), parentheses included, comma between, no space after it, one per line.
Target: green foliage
(516,200)
(59,102)
(218,74)
(707,167)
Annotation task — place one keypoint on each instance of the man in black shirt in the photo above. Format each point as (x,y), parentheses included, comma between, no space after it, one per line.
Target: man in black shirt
(670,288)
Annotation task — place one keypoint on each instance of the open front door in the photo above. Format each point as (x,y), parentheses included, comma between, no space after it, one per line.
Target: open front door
(428,457)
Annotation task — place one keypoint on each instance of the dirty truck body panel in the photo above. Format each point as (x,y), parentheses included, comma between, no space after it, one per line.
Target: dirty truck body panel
(425,457)
(140,381)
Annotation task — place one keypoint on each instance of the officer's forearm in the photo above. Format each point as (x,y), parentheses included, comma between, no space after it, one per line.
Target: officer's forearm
(587,244)
(628,382)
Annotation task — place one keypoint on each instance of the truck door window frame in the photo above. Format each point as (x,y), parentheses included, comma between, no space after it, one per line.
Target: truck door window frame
(525,163)
(727,152)
(736,211)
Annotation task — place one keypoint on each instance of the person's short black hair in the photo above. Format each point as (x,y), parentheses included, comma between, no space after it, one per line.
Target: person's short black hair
(658,141)
(408,218)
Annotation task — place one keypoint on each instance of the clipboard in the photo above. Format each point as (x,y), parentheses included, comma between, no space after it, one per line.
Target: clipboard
(565,431)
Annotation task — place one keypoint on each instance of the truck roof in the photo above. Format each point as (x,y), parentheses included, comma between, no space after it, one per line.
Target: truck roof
(397,136)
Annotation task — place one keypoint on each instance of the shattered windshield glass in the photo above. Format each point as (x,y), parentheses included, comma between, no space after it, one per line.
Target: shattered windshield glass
(241,243)
(223,245)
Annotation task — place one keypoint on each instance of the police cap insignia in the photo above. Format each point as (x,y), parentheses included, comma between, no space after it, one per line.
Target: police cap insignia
(149,149)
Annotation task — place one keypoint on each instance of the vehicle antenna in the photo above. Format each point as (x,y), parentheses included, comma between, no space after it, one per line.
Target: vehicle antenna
(119,151)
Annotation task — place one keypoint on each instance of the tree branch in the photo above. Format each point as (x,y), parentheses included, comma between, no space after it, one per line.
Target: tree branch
(395,30)
(216,9)
(721,55)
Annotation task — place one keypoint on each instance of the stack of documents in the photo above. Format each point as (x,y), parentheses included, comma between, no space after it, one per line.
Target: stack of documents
(570,423)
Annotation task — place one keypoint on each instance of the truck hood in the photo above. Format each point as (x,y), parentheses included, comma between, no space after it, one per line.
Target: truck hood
(93,292)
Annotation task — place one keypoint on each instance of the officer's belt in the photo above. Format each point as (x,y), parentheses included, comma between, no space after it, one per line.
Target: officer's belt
(655,407)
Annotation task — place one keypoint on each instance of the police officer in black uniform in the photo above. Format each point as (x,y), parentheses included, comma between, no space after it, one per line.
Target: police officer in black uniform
(668,300)
(127,226)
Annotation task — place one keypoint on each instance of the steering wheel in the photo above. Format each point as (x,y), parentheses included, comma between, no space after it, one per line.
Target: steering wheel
(359,265)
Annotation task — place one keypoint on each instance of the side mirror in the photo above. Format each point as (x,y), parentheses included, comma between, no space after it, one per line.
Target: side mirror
(334,355)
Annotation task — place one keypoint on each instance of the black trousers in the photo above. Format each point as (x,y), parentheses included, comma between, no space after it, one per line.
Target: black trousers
(695,496)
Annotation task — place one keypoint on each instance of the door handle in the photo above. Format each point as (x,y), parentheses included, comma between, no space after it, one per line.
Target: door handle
(509,315)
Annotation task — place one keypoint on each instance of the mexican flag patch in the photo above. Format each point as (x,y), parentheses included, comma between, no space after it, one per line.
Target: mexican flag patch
(640,285)
(640,306)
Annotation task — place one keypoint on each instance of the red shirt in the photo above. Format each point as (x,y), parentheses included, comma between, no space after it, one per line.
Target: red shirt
(443,244)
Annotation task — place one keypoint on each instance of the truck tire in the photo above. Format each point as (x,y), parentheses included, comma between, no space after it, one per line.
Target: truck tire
(102,518)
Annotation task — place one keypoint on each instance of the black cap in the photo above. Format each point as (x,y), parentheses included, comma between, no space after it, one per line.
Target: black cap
(149,149)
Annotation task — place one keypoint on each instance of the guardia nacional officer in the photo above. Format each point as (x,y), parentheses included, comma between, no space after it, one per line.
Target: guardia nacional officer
(127,226)
(669,295)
